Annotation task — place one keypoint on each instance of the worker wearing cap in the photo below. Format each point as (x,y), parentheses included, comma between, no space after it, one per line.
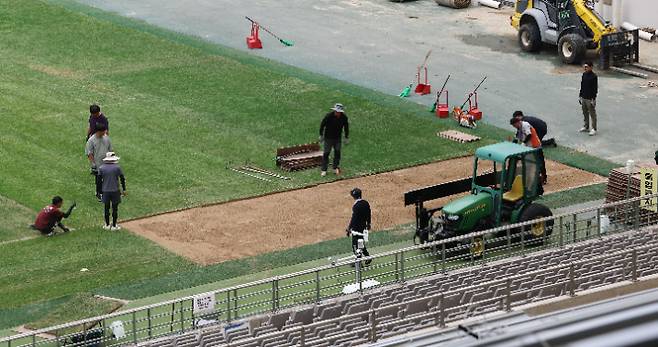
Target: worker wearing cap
(589,88)
(331,130)
(359,223)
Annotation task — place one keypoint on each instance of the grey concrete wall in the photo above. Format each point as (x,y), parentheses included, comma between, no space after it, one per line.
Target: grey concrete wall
(639,12)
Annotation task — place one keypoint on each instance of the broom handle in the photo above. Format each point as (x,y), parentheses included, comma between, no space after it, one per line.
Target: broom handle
(473,92)
(438,95)
(264,28)
(427,56)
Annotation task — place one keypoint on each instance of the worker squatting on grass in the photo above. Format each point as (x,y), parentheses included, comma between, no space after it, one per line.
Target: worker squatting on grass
(331,129)
(51,216)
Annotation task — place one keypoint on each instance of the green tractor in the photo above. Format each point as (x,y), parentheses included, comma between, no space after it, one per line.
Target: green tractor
(503,188)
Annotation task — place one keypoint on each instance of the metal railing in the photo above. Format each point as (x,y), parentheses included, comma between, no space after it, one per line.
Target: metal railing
(320,283)
(441,311)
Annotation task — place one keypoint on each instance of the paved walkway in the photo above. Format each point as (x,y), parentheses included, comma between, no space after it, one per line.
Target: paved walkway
(378,43)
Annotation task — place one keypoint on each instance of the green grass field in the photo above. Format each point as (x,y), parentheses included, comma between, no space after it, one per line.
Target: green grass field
(181,111)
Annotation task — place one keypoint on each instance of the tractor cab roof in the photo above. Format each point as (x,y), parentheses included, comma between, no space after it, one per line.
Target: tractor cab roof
(499,152)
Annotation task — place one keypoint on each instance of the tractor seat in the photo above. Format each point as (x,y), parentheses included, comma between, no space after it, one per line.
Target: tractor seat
(516,192)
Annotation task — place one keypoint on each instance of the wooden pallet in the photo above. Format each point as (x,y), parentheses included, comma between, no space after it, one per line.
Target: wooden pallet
(458,136)
(299,157)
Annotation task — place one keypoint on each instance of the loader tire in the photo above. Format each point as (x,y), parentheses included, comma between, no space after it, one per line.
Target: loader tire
(571,48)
(529,37)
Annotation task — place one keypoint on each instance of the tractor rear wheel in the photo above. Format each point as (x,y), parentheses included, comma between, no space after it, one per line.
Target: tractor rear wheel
(529,37)
(571,48)
(540,231)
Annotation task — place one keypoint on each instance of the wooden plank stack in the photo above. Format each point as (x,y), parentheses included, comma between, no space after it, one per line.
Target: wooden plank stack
(618,186)
(458,136)
(299,157)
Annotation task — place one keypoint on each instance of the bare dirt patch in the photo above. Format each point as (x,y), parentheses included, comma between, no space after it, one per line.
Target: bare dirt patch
(285,220)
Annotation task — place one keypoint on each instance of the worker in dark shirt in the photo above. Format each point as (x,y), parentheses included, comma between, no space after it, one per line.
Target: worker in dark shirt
(360,224)
(96,117)
(541,129)
(589,88)
(51,216)
(331,129)
(111,174)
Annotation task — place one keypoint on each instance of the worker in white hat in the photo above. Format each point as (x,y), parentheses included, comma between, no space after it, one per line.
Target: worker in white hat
(331,130)
(111,173)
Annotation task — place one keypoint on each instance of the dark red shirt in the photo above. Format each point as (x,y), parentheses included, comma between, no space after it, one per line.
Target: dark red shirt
(95,120)
(48,217)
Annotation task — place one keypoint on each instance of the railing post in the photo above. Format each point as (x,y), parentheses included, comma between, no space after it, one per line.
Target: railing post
(235,301)
(470,251)
(443,257)
(402,265)
(301,337)
(275,289)
(317,286)
(575,228)
(357,267)
(598,222)
(636,215)
(572,281)
(434,268)
(148,317)
(373,326)
(523,241)
(34,339)
(397,274)
(508,295)
(508,234)
(561,235)
(134,327)
(634,266)
(182,316)
(228,306)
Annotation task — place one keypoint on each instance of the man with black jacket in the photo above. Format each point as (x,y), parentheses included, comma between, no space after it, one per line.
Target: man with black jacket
(589,87)
(360,223)
(331,129)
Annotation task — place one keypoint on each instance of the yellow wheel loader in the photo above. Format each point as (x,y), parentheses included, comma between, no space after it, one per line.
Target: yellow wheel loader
(574,27)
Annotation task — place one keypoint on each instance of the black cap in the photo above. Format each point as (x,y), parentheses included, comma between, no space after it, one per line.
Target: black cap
(356,193)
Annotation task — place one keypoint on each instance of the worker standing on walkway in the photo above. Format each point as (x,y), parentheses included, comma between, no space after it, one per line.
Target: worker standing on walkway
(331,129)
(589,88)
(360,224)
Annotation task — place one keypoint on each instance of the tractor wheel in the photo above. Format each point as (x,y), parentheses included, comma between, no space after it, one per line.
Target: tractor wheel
(571,48)
(476,248)
(529,37)
(540,231)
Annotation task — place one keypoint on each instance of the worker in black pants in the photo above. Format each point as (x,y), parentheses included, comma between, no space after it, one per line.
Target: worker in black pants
(360,223)
(331,129)
(541,129)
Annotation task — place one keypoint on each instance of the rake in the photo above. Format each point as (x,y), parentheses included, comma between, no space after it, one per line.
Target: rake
(284,42)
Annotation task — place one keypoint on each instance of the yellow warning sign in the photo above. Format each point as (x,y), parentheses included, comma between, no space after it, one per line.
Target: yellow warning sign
(648,186)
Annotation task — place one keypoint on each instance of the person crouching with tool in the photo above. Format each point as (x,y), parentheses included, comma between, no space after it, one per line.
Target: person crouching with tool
(359,224)
(51,216)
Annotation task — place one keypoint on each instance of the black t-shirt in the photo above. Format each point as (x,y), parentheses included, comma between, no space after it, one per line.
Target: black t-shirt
(332,126)
(540,126)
